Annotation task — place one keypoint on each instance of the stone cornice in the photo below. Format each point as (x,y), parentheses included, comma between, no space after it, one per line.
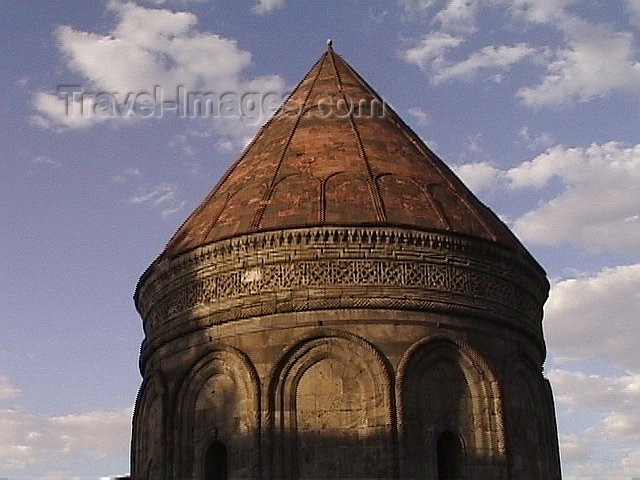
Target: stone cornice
(339,267)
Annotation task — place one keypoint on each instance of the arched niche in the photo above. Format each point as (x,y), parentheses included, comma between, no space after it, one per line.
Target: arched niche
(460,215)
(444,386)
(344,191)
(238,211)
(407,201)
(532,438)
(219,401)
(295,202)
(331,410)
(148,449)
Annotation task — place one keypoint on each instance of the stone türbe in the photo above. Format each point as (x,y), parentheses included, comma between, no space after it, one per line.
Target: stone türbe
(342,306)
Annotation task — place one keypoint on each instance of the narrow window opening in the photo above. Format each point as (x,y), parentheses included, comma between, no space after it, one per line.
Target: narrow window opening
(450,457)
(215,461)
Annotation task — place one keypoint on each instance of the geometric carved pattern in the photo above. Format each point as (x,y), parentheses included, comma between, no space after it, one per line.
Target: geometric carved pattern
(365,273)
(340,267)
(374,395)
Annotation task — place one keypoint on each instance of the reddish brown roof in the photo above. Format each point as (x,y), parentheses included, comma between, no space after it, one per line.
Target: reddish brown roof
(345,169)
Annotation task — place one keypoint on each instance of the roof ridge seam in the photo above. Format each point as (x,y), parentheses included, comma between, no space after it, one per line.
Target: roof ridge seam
(450,184)
(244,153)
(373,184)
(426,194)
(213,224)
(269,192)
(416,144)
(435,204)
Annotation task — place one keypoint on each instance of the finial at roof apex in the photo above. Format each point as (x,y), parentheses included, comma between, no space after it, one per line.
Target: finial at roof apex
(329,44)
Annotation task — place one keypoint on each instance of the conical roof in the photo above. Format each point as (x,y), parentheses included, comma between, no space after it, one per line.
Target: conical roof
(340,167)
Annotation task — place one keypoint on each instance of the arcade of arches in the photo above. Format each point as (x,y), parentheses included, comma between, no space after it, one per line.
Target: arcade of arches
(342,306)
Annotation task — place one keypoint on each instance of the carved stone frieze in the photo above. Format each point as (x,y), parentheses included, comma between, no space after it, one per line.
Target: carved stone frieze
(320,268)
(342,306)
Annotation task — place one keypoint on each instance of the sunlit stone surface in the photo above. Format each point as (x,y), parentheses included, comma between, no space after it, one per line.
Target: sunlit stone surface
(341,306)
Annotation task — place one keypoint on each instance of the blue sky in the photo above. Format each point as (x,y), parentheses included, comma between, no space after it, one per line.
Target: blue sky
(535,105)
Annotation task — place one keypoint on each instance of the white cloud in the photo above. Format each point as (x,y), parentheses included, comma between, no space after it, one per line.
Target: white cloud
(479,175)
(631,462)
(456,20)
(379,17)
(431,48)
(579,391)
(608,410)
(45,160)
(263,6)
(598,206)
(7,389)
(27,439)
(147,47)
(421,117)
(150,47)
(57,113)
(589,318)
(535,141)
(165,2)
(128,173)
(182,142)
(473,143)
(596,317)
(162,198)
(624,425)
(538,11)
(490,57)
(634,9)
(596,63)
(157,195)
(266,6)
(453,16)
(429,54)
(458,15)
(592,60)
(167,212)
(573,448)
(417,8)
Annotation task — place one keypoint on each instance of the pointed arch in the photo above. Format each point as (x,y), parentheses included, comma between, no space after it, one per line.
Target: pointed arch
(343,380)
(148,445)
(530,422)
(443,385)
(297,205)
(219,400)
(236,213)
(408,201)
(343,191)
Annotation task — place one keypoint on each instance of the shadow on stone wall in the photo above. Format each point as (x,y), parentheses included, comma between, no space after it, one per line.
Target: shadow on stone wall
(334,456)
